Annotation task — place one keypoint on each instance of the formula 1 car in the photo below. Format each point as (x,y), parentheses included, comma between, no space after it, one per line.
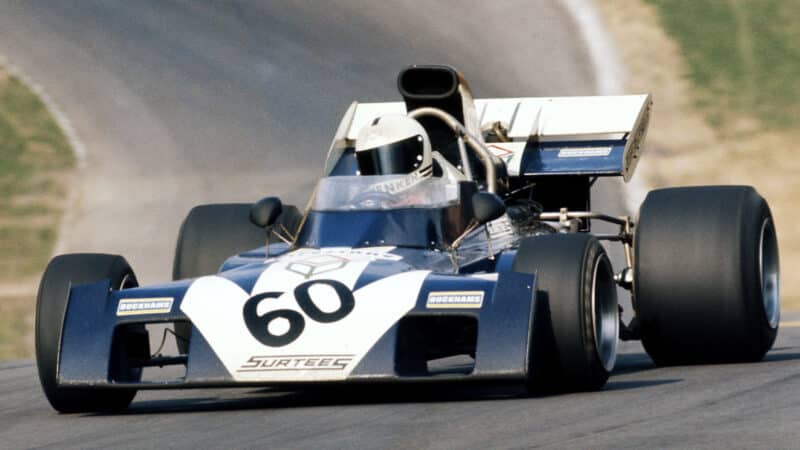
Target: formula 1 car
(449,241)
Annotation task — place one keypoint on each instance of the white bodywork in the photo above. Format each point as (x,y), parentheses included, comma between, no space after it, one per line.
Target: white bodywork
(324,351)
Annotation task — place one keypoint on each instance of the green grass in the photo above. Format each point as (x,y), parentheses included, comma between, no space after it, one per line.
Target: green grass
(743,55)
(34,157)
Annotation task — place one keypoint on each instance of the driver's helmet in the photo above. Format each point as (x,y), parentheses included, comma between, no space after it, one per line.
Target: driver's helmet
(392,145)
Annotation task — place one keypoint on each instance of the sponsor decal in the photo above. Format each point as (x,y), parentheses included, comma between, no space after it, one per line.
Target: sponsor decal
(583,152)
(288,363)
(500,152)
(317,264)
(455,299)
(510,153)
(136,306)
(400,185)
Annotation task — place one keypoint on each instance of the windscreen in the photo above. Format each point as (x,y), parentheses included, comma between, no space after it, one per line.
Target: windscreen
(384,192)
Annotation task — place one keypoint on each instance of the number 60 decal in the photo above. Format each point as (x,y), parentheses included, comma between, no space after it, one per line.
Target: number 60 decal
(259,325)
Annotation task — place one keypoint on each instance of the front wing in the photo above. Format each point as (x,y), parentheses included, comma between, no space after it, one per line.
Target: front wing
(396,329)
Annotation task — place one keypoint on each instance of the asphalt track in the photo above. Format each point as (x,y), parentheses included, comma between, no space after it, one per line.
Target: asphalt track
(180,103)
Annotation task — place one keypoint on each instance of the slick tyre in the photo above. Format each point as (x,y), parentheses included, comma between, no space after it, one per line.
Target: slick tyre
(210,234)
(706,275)
(576,317)
(61,274)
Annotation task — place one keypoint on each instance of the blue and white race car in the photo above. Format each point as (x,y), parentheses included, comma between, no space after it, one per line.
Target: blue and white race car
(449,241)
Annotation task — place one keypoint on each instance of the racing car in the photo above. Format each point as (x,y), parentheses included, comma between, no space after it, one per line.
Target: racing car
(450,240)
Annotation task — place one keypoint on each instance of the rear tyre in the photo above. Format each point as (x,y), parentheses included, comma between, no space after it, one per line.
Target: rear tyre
(576,317)
(706,275)
(63,272)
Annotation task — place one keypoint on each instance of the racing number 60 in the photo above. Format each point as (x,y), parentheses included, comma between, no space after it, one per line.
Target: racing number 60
(259,325)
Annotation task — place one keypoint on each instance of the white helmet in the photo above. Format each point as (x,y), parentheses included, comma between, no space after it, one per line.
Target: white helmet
(393,144)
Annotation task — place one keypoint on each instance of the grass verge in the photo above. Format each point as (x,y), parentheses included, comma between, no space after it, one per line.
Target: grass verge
(35,159)
(742,55)
(726,96)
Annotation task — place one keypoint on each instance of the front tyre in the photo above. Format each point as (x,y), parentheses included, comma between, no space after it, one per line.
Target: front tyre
(706,275)
(61,274)
(576,317)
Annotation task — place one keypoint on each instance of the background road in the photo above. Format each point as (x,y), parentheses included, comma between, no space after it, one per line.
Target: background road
(184,102)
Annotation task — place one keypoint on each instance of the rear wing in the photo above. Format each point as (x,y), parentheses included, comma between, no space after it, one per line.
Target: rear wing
(591,136)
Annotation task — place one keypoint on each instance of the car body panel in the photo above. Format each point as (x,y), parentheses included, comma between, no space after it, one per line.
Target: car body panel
(388,285)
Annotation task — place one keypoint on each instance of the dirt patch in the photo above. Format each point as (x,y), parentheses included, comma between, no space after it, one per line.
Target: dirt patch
(686,144)
(16,325)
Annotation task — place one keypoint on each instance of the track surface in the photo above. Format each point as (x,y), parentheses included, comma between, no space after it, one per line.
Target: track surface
(733,406)
(187,102)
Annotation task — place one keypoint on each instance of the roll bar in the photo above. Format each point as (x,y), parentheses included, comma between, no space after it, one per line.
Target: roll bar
(475,143)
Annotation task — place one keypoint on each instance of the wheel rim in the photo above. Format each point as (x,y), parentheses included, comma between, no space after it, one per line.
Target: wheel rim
(128,281)
(769,273)
(605,316)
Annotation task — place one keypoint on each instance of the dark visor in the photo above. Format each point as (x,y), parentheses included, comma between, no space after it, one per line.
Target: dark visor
(395,158)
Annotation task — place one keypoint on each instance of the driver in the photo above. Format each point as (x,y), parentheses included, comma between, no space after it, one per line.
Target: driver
(398,150)
(392,145)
